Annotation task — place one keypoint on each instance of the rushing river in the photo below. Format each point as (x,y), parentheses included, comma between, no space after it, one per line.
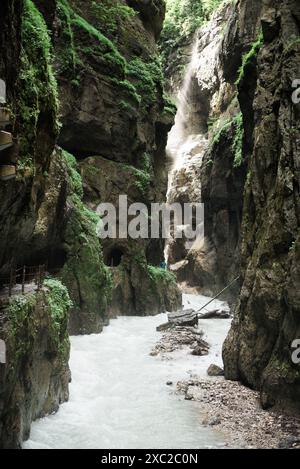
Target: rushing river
(119,398)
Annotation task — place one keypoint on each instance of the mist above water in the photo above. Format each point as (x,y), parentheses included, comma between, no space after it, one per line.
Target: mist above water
(183,135)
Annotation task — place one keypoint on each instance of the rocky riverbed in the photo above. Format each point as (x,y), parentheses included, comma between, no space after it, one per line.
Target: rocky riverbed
(225,406)
(235,410)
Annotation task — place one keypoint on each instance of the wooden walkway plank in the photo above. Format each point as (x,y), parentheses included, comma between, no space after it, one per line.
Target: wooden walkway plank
(7,172)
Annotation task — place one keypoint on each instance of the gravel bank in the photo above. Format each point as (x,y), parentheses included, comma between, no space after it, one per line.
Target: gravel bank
(235,410)
(228,406)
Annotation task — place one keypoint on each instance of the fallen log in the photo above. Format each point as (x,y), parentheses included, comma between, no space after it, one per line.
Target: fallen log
(216,314)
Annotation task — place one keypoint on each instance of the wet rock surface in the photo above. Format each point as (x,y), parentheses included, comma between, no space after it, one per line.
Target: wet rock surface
(247,175)
(34,381)
(204,170)
(215,370)
(258,348)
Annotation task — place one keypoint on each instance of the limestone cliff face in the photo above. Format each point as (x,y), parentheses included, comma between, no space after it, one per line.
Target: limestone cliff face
(247,174)
(35,378)
(108,94)
(224,169)
(93,85)
(212,169)
(115,120)
(258,348)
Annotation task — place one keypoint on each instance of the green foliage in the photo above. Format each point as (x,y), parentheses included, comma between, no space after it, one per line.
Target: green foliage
(74,175)
(59,304)
(145,163)
(111,14)
(103,48)
(158,275)
(58,299)
(170,105)
(20,334)
(209,6)
(128,108)
(37,87)
(237,124)
(66,56)
(88,47)
(129,89)
(141,177)
(85,275)
(81,40)
(142,182)
(222,131)
(23,326)
(183,18)
(250,57)
(211,122)
(146,76)
(76,190)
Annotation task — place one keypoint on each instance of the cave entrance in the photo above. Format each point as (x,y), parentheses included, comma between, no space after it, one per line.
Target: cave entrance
(114,257)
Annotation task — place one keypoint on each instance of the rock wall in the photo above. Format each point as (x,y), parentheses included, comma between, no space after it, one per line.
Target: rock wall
(247,175)
(115,120)
(224,169)
(111,103)
(211,169)
(84,75)
(258,348)
(35,378)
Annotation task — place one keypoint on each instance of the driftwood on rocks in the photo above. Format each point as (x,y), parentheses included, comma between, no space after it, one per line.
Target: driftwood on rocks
(215,314)
(187,317)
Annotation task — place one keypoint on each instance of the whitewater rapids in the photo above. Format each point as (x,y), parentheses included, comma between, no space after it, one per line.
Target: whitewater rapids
(119,398)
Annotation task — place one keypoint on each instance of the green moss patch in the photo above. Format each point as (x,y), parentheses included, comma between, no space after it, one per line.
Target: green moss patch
(89,45)
(112,15)
(147,77)
(37,88)
(237,126)
(85,275)
(59,304)
(158,275)
(24,314)
(183,18)
(81,43)
(249,59)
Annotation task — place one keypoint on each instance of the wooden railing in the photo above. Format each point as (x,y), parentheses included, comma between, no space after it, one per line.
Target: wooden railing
(22,276)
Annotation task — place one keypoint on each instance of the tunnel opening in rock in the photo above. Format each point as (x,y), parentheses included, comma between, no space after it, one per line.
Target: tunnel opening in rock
(114,257)
(52,259)
(57,259)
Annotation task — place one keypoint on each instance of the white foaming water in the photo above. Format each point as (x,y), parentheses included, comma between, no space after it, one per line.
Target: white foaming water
(181,138)
(119,398)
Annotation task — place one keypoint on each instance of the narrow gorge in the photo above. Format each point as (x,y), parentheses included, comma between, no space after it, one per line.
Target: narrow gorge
(178,102)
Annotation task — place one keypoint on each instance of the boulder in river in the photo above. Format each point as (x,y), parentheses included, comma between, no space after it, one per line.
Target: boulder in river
(201,349)
(215,370)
